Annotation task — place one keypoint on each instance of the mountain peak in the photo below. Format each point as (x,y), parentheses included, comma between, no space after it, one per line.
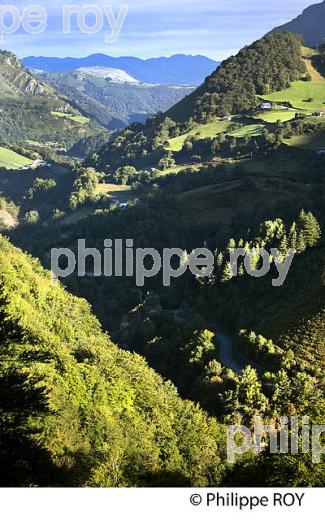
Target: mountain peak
(310,24)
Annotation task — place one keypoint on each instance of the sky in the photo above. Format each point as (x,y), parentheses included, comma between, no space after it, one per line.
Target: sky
(152,28)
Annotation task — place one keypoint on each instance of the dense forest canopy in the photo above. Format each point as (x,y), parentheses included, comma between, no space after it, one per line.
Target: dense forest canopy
(76,410)
(268,65)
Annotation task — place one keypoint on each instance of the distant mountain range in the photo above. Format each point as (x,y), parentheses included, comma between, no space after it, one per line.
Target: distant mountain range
(310,25)
(112,97)
(176,70)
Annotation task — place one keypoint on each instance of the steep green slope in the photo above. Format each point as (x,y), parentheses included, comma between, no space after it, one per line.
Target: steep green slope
(268,65)
(12,160)
(304,95)
(76,410)
(292,315)
(28,107)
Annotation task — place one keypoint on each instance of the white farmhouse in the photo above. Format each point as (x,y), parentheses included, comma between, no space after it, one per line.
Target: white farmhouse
(266,106)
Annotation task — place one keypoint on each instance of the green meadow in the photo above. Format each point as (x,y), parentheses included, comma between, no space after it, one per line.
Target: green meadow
(275,115)
(77,119)
(308,141)
(12,160)
(248,131)
(203,131)
(303,95)
(121,192)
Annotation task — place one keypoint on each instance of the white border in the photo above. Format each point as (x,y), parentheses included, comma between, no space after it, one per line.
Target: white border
(145,504)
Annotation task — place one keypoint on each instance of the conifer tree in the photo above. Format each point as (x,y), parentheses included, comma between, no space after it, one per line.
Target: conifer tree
(312,230)
(292,240)
(227,273)
(301,244)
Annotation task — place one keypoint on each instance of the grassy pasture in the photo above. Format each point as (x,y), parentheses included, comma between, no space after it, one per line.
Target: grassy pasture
(248,130)
(219,203)
(315,75)
(77,119)
(77,215)
(275,115)
(307,55)
(120,192)
(180,168)
(299,93)
(12,160)
(204,131)
(308,141)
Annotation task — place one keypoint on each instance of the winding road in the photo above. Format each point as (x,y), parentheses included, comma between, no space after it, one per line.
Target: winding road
(227,357)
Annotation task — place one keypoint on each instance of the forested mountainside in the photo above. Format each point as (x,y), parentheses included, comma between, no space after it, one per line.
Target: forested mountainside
(266,66)
(309,25)
(115,105)
(175,70)
(250,176)
(32,111)
(277,331)
(75,409)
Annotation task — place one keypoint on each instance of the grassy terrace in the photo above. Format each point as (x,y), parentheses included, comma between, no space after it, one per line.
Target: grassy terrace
(210,130)
(276,115)
(303,95)
(299,94)
(248,130)
(121,192)
(204,131)
(308,141)
(77,119)
(12,160)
